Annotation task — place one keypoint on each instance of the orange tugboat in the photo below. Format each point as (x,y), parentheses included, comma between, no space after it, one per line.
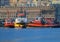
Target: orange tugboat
(41,22)
(8,23)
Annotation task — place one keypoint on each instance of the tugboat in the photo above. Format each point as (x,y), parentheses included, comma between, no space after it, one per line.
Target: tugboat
(42,22)
(2,22)
(9,23)
(21,20)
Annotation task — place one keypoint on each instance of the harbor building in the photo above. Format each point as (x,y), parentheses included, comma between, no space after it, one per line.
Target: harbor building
(4,2)
(13,2)
(57,14)
(29,3)
(31,12)
(33,9)
(25,3)
(55,1)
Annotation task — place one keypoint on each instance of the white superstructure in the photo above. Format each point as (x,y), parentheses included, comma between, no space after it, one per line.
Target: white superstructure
(19,20)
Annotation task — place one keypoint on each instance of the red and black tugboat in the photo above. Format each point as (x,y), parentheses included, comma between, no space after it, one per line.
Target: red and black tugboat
(9,22)
(43,22)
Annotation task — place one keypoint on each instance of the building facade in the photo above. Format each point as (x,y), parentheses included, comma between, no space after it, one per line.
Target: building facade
(4,2)
(55,1)
(26,3)
(31,12)
(57,12)
(13,2)
(32,8)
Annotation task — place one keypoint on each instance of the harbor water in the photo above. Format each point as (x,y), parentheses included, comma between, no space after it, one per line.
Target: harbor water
(30,35)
